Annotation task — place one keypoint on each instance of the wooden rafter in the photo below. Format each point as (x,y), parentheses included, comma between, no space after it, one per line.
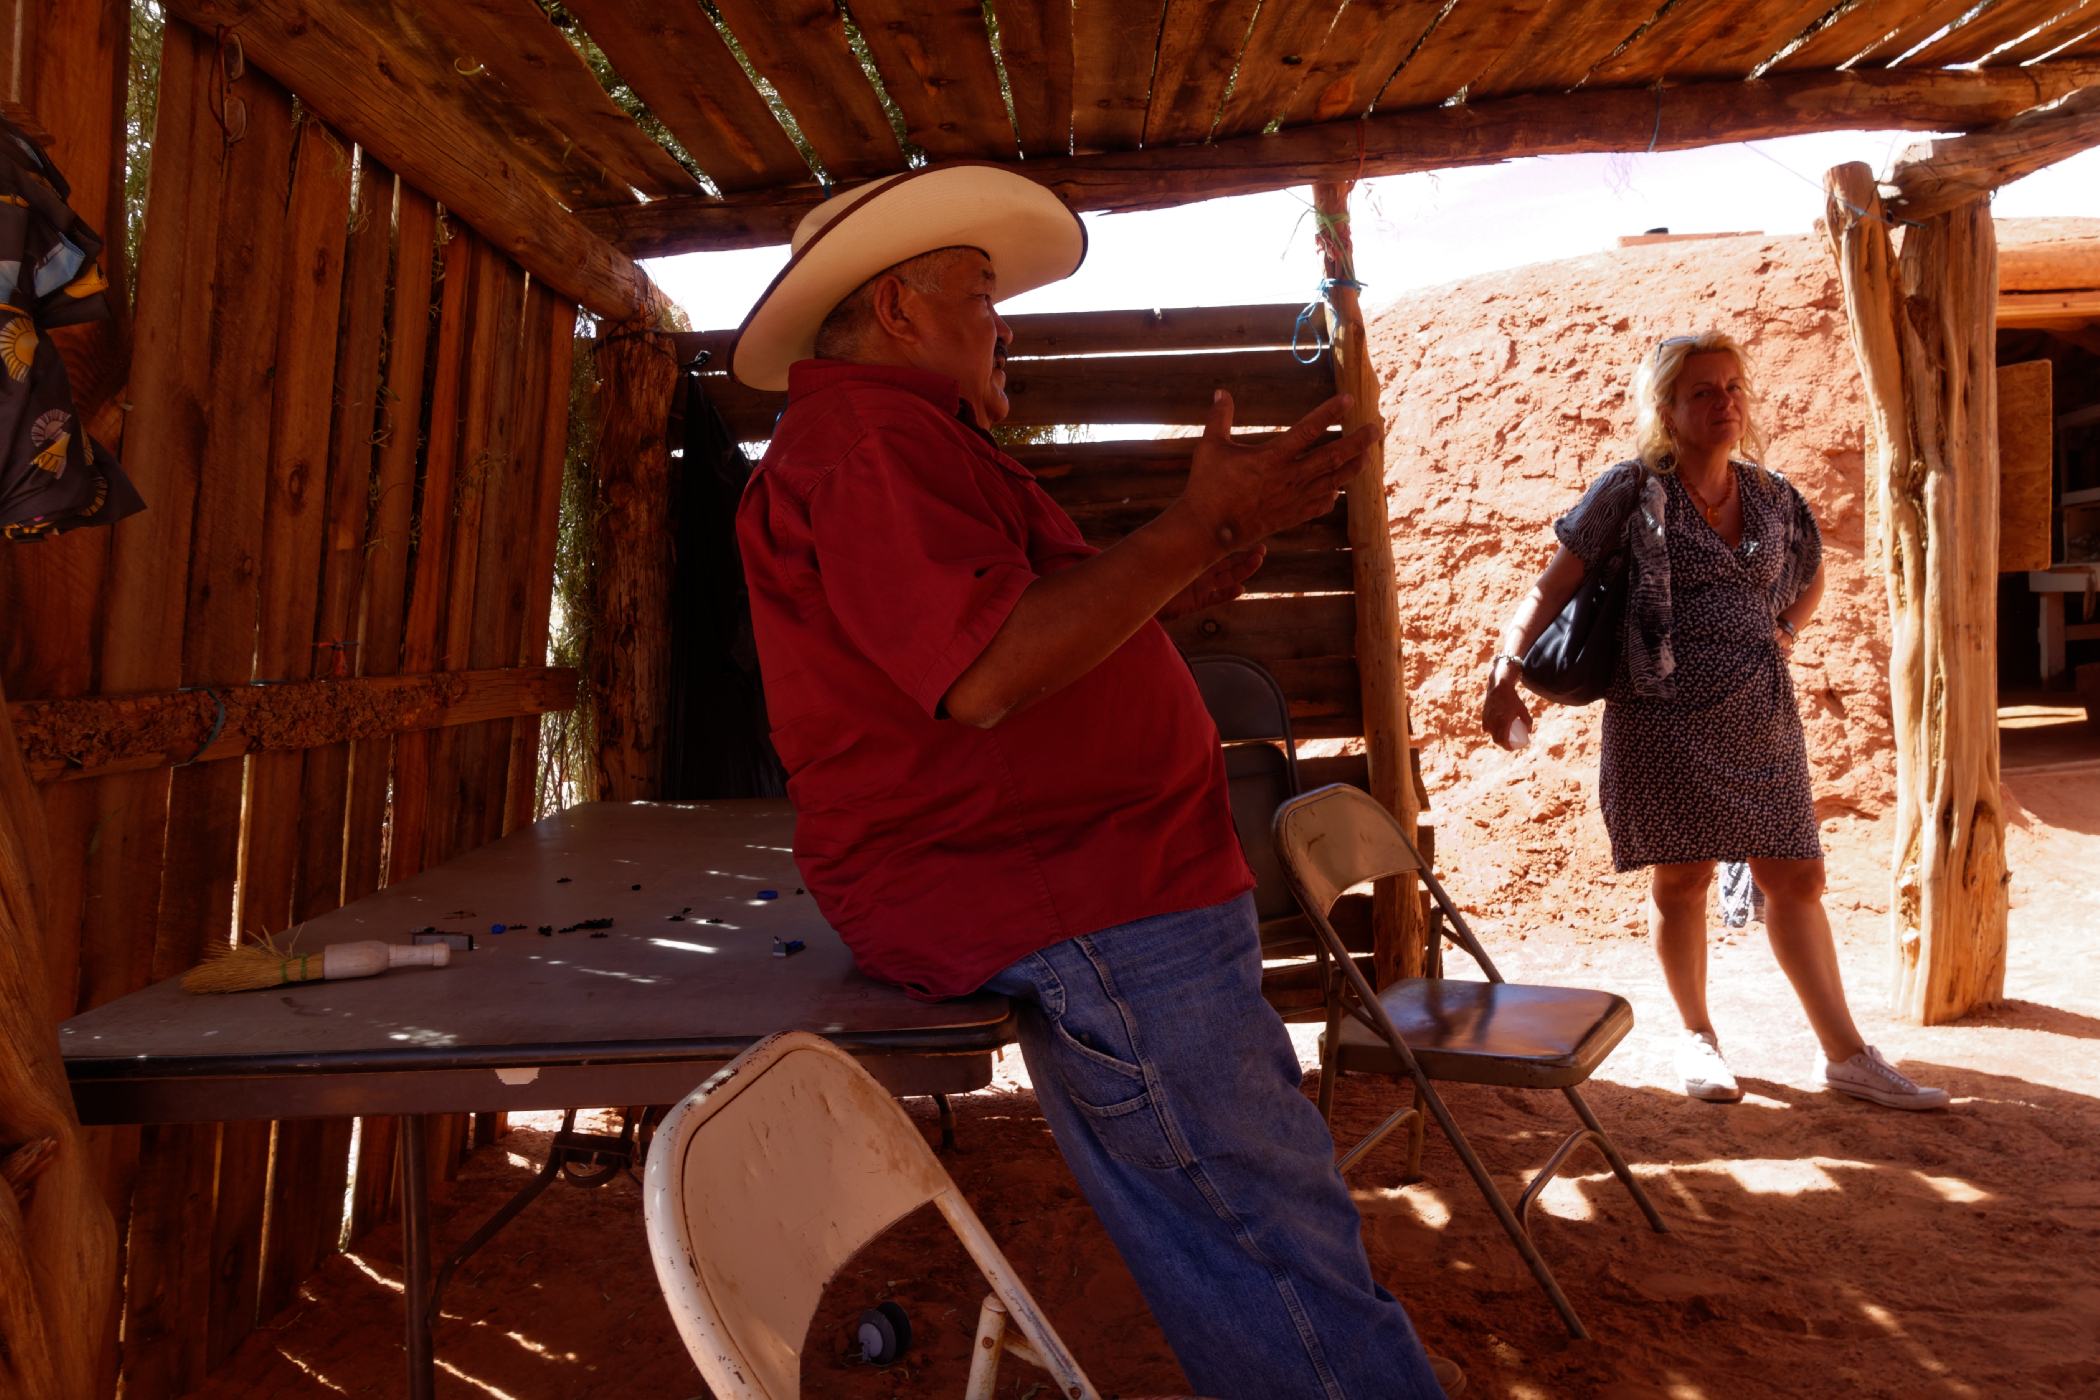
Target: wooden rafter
(936,61)
(1937,175)
(799,46)
(1113,42)
(1035,40)
(1473,133)
(347,71)
(510,42)
(674,59)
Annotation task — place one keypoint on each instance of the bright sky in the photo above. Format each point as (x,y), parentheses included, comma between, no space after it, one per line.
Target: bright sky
(1417,231)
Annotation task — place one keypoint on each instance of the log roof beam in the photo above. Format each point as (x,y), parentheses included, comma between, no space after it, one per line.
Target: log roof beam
(430,135)
(1935,176)
(1435,138)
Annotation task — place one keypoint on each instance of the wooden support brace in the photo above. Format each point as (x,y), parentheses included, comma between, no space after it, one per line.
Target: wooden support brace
(1924,335)
(1426,138)
(95,735)
(1396,913)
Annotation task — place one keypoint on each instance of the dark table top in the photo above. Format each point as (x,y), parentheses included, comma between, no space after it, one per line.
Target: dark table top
(526,1018)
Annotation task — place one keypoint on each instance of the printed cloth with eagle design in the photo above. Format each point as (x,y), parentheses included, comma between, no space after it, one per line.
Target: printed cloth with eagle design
(53,477)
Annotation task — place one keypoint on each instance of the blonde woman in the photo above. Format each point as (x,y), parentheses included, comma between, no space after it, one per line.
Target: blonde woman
(1703,758)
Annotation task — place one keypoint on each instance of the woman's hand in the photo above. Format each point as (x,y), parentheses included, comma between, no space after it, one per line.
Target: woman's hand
(1504,707)
(1784,640)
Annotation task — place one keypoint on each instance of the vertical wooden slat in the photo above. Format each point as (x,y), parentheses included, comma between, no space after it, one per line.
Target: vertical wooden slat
(1398,949)
(237,1212)
(490,441)
(218,638)
(387,548)
(324,787)
(560,331)
(296,499)
(459,758)
(631,582)
(305,1191)
(372,1198)
(503,613)
(167,1277)
(165,442)
(419,642)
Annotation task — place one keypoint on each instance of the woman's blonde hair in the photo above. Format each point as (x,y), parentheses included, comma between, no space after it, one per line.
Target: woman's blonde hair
(1655,385)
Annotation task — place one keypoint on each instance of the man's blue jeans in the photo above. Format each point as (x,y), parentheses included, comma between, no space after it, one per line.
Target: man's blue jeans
(1173,1091)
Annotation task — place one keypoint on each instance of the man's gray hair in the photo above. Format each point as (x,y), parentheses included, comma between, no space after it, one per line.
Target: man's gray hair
(839,338)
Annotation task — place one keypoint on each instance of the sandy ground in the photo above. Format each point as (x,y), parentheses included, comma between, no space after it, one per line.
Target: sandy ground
(1818,1246)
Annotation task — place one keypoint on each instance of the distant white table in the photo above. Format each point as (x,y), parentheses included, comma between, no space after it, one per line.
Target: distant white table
(2054,586)
(641,1015)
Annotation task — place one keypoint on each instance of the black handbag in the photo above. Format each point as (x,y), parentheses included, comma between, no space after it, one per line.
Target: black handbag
(1575,658)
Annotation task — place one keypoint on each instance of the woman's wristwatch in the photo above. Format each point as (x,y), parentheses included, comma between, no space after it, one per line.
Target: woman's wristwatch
(1495,665)
(1790,629)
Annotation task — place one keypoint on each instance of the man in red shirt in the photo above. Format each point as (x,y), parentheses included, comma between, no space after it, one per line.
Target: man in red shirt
(1004,777)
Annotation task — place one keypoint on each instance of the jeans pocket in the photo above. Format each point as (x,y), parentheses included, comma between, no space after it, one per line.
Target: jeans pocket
(1117,1105)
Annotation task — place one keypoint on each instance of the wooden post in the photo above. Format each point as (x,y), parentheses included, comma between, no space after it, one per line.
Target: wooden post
(1397,942)
(58,1252)
(631,579)
(1924,331)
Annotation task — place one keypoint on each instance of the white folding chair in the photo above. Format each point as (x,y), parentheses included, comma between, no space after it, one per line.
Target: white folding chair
(767,1179)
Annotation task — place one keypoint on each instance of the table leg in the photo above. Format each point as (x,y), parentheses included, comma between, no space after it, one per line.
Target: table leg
(2052,636)
(415,1258)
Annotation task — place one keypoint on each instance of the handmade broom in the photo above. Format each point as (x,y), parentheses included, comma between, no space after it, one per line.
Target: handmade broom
(252,965)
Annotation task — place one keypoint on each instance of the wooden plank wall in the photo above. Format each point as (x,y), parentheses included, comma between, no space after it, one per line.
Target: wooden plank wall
(348,417)
(1114,368)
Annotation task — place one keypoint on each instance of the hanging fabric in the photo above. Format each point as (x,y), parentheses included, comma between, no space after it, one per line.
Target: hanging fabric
(53,477)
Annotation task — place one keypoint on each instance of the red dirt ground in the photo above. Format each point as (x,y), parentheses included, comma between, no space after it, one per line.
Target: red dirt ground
(1818,1247)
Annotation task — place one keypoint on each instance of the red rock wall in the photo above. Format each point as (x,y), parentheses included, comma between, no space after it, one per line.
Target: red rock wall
(1504,396)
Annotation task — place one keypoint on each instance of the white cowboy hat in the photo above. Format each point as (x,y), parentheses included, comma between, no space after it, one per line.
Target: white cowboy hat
(1024,228)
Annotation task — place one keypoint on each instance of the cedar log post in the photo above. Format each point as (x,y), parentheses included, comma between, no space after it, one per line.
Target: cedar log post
(631,569)
(58,1246)
(1924,331)
(1924,327)
(1396,919)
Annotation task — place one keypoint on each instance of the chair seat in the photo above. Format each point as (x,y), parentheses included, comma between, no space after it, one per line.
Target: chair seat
(1492,1032)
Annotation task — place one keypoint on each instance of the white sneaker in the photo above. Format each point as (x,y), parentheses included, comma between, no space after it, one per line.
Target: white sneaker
(1704,1072)
(1868,1076)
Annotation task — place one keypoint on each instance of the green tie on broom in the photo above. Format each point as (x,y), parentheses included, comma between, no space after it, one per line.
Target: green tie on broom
(252,965)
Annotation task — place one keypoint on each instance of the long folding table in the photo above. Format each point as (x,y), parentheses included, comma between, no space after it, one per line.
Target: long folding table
(551,1012)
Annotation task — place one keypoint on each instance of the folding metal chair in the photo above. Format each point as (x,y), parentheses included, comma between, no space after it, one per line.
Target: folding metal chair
(767,1179)
(1491,1032)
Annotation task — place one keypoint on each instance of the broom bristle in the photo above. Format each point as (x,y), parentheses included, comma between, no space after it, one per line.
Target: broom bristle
(249,966)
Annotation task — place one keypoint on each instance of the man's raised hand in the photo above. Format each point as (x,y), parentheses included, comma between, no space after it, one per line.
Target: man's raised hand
(1244,493)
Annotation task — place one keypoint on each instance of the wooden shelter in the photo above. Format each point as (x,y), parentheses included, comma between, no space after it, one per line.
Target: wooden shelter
(316,663)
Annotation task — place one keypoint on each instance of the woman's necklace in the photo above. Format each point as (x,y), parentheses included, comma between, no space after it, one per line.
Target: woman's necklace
(1713,513)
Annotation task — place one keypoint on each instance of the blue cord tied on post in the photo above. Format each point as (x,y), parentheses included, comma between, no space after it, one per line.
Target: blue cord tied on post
(1324,298)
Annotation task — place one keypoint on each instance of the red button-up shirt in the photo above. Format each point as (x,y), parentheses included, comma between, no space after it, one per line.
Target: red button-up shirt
(885,540)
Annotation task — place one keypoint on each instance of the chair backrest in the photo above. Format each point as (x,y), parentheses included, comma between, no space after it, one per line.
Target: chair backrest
(1338,836)
(1335,837)
(766,1180)
(1253,718)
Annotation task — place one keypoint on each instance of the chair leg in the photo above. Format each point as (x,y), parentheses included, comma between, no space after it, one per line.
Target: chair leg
(1510,1225)
(1379,1134)
(1330,1044)
(1619,1168)
(1415,1135)
(984,1356)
